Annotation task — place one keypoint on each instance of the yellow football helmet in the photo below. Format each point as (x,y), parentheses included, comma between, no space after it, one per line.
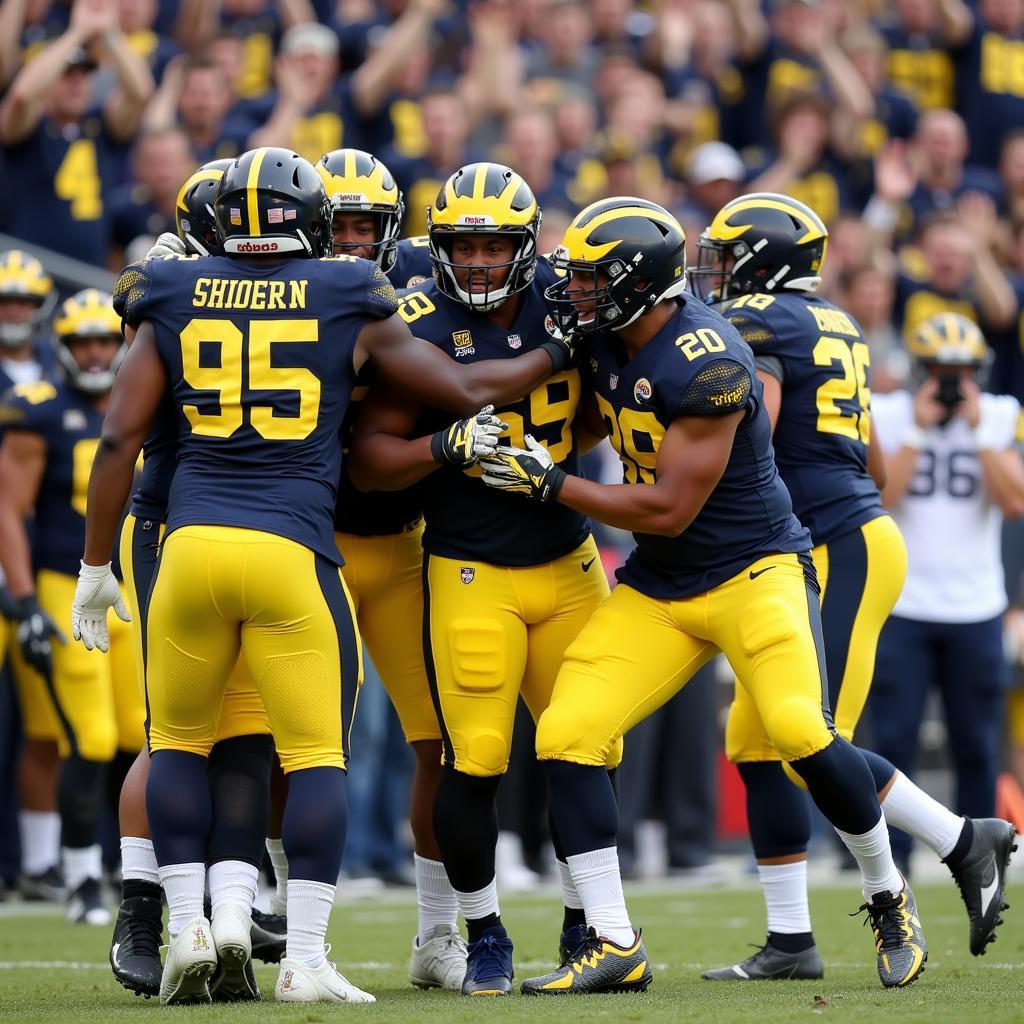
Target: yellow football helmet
(776,244)
(357,182)
(490,199)
(88,314)
(949,339)
(24,277)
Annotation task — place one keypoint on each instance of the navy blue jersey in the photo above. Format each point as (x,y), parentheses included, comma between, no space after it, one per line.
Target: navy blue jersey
(59,202)
(259,360)
(412,263)
(696,365)
(70,426)
(820,357)
(920,65)
(465,518)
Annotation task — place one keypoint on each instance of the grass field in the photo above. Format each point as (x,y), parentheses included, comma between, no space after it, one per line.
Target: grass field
(50,972)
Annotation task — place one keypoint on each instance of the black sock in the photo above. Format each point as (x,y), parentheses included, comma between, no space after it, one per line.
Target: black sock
(134,887)
(466,826)
(477,928)
(963,844)
(791,942)
(571,917)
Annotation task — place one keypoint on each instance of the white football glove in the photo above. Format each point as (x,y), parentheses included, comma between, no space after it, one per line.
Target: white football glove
(465,441)
(529,471)
(168,244)
(97,591)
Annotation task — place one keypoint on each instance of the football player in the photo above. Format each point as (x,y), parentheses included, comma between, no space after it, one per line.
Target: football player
(761,260)
(92,708)
(234,342)
(720,563)
(27,298)
(241,757)
(507,586)
(379,535)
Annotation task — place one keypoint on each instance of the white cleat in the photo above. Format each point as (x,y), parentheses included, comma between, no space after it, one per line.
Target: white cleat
(234,980)
(441,961)
(299,983)
(191,959)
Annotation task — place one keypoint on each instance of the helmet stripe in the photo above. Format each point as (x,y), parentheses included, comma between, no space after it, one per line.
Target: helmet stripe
(203,174)
(251,196)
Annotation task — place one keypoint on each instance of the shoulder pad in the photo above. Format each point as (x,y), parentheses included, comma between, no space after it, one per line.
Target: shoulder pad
(751,324)
(18,404)
(130,292)
(381,300)
(717,389)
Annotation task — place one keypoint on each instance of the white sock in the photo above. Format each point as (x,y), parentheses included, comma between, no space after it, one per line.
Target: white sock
(570,897)
(599,884)
(40,841)
(233,883)
(910,808)
(184,886)
(309,911)
(482,903)
(138,860)
(878,871)
(435,897)
(279,860)
(785,897)
(82,863)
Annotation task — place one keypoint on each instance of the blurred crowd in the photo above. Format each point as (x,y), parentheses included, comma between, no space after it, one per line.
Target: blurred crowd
(901,122)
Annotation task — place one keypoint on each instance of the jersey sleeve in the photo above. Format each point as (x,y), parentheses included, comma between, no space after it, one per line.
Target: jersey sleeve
(718,388)
(28,407)
(381,301)
(755,329)
(1000,415)
(134,286)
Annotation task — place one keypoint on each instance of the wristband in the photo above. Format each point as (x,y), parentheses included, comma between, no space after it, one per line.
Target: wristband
(560,355)
(914,437)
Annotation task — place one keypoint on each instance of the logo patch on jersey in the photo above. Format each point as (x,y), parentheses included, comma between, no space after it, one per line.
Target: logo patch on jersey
(514,341)
(463,341)
(467,573)
(613,381)
(235,215)
(415,280)
(275,215)
(74,419)
(593,366)
(642,390)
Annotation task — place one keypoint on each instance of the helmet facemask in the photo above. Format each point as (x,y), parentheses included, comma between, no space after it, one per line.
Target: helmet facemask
(388,221)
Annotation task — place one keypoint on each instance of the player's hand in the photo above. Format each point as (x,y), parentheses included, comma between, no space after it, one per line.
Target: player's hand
(91,18)
(531,471)
(969,407)
(36,633)
(928,410)
(562,349)
(467,440)
(97,591)
(895,176)
(168,244)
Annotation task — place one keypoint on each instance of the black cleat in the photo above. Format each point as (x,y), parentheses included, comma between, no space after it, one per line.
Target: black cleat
(571,943)
(771,964)
(981,875)
(47,886)
(135,945)
(899,941)
(489,965)
(269,934)
(597,966)
(86,904)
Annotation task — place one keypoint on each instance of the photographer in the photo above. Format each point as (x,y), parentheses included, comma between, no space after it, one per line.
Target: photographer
(953,474)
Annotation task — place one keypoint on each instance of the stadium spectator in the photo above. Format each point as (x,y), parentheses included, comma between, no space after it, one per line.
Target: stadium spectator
(869,296)
(138,23)
(713,178)
(531,147)
(1011,175)
(64,156)
(567,54)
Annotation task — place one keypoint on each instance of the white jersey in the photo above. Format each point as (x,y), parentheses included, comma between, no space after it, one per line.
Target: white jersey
(952,530)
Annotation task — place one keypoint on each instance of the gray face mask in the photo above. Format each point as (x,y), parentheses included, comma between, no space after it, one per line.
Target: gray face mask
(15,335)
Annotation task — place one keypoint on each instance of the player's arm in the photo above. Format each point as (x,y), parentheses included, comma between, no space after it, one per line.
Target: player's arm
(772,394)
(22,464)
(588,426)
(691,460)
(138,388)
(382,456)
(437,380)
(125,104)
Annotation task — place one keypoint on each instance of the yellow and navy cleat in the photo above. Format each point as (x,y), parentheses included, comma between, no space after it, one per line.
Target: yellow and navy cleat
(598,965)
(489,965)
(899,941)
(981,876)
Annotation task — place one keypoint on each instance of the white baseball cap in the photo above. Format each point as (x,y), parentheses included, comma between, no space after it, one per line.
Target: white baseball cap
(715,161)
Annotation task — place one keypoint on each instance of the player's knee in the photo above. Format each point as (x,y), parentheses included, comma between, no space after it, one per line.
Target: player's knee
(574,735)
(483,752)
(477,654)
(796,726)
